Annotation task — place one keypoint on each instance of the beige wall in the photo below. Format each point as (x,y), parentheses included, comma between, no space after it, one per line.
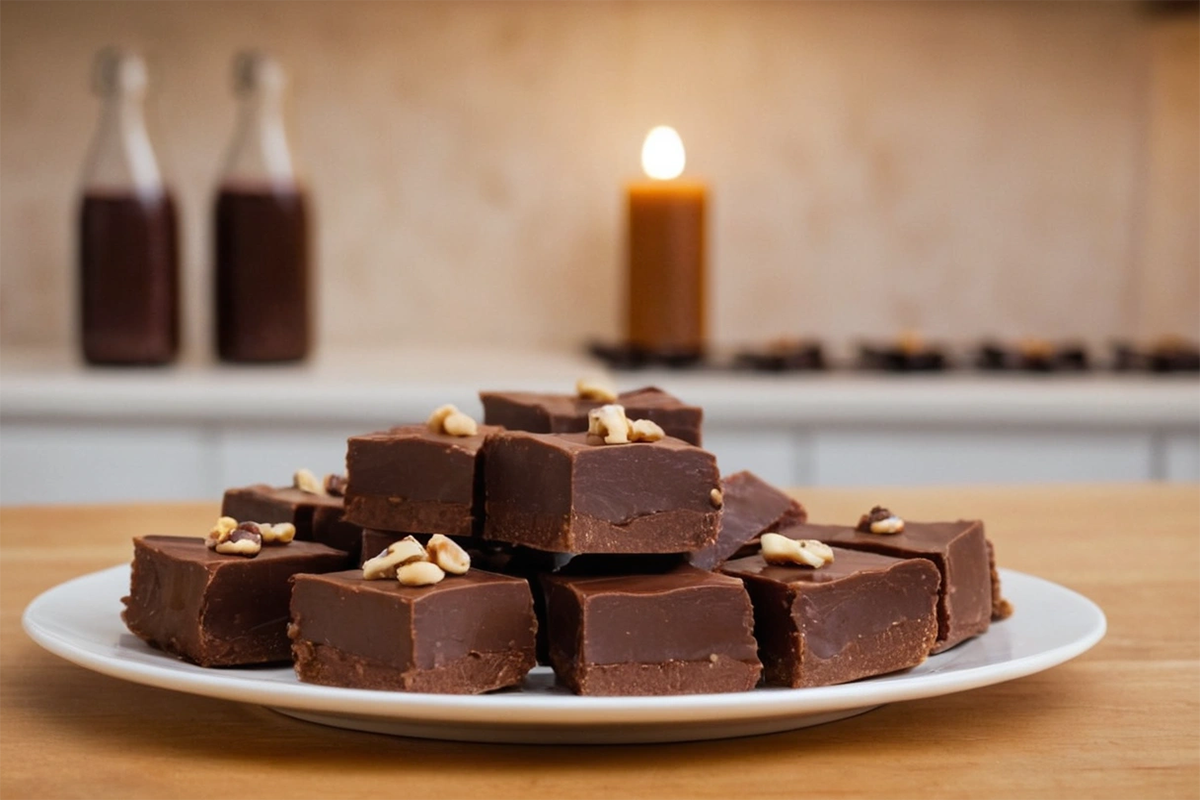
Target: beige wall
(958,168)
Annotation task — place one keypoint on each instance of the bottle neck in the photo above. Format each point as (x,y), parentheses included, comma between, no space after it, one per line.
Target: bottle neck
(122,158)
(260,154)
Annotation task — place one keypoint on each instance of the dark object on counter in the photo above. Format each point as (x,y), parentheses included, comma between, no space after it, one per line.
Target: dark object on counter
(565,413)
(783,356)
(908,354)
(262,297)
(858,616)
(1169,354)
(630,356)
(317,517)
(959,550)
(410,479)
(750,508)
(680,631)
(1033,355)
(570,493)
(468,634)
(217,610)
(128,247)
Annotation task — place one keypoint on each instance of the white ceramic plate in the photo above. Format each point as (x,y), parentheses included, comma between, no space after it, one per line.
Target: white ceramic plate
(80,621)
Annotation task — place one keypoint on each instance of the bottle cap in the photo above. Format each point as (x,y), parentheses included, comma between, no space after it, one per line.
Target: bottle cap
(116,70)
(254,69)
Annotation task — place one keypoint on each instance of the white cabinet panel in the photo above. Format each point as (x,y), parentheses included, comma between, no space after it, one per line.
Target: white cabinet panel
(865,457)
(1181,457)
(96,463)
(272,455)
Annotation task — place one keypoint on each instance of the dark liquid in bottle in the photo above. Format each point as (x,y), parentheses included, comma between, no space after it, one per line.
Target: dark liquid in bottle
(262,293)
(129,279)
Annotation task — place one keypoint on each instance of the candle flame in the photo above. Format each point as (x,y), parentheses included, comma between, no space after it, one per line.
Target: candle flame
(662,154)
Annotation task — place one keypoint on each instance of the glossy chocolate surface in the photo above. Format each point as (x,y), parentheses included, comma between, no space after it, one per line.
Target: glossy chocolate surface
(680,631)
(858,616)
(958,549)
(413,480)
(565,413)
(468,634)
(570,493)
(317,517)
(751,507)
(215,609)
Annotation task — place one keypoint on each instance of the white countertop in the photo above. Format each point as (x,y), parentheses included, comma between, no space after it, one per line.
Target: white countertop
(404,384)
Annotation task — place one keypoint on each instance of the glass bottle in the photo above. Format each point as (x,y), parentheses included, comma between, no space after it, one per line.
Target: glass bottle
(262,272)
(128,236)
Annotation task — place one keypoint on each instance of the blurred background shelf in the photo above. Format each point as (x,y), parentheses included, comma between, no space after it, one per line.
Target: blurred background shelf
(84,435)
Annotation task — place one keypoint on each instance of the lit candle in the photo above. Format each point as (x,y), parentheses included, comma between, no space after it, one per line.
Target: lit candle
(666,290)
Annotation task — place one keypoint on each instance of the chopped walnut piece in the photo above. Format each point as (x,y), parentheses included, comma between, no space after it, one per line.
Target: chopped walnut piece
(880,520)
(397,554)
(594,389)
(420,573)
(449,420)
(220,532)
(244,540)
(782,551)
(609,423)
(278,533)
(447,554)
(306,481)
(644,430)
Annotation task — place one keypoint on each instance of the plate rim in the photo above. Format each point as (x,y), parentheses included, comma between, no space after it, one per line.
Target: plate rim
(517,709)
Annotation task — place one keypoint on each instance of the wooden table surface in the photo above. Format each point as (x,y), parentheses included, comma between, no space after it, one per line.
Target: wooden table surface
(1121,721)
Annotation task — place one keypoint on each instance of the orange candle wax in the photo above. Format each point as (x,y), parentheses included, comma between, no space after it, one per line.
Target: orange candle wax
(666,280)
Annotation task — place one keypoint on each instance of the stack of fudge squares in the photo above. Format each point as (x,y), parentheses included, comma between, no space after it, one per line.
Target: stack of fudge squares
(590,532)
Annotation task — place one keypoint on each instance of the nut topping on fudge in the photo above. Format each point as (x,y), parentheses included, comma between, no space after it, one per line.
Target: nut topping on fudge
(593,389)
(449,420)
(610,424)
(782,551)
(446,553)
(306,481)
(331,486)
(416,565)
(231,537)
(395,556)
(420,573)
(881,521)
(244,540)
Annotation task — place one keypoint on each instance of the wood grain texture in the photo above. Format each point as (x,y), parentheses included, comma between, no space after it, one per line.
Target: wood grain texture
(1121,721)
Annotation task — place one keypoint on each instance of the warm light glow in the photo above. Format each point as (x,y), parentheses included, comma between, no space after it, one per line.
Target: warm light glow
(662,154)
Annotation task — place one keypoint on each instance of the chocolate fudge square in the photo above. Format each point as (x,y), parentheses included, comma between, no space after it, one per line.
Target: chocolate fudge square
(565,413)
(958,549)
(213,609)
(410,479)
(860,615)
(571,493)
(317,517)
(469,634)
(683,631)
(750,508)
